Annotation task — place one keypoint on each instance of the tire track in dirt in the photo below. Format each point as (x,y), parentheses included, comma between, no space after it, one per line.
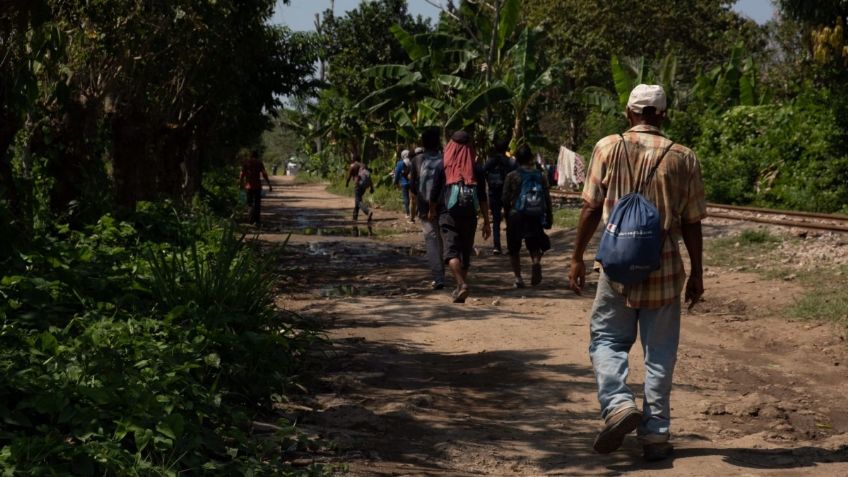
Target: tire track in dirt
(502,385)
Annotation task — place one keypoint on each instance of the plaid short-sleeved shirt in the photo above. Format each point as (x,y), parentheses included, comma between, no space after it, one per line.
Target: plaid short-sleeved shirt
(676,190)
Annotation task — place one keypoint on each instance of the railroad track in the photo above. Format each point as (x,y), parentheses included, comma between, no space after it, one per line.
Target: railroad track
(784,218)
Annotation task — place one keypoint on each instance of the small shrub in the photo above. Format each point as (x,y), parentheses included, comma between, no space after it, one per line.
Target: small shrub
(750,236)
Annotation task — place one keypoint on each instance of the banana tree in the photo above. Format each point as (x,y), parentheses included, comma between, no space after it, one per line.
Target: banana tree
(731,84)
(526,78)
(442,84)
(627,73)
(437,88)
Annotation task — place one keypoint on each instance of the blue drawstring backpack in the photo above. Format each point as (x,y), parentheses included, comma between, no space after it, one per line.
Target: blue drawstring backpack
(632,242)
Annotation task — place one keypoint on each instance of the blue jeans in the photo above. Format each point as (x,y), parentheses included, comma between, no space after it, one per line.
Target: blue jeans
(613,332)
(404,194)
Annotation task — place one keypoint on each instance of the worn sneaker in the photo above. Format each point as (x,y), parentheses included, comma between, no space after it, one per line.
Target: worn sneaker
(370,216)
(436,285)
(536,277)
(497,251)
(460,294)
(519,283)
(657,451)
(622,421)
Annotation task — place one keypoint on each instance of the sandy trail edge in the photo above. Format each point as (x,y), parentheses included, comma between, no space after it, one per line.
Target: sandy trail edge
(502,385)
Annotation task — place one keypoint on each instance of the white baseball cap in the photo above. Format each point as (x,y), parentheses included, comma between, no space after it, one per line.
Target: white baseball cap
(647,95)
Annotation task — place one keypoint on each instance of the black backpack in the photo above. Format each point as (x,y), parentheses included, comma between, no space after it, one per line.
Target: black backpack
(496,177)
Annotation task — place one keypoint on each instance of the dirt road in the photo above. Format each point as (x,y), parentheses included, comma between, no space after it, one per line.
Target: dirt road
(502,385)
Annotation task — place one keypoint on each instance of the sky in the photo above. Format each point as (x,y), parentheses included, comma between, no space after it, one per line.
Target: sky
(299,15)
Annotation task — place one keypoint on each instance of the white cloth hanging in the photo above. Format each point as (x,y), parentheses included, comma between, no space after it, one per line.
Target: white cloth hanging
(571,169)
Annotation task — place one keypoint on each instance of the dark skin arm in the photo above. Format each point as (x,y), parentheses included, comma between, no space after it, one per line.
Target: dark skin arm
(267,180)
(590,217)
(487,228)
(694,240)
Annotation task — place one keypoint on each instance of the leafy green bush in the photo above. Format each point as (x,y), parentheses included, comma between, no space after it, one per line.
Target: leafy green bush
(220,190)
(129,356)
(777,155)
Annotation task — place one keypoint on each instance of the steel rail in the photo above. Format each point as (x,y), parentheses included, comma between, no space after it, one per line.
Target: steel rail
(785,218)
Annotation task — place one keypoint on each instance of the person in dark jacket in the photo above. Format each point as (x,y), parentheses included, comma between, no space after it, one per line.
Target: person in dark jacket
(497,166)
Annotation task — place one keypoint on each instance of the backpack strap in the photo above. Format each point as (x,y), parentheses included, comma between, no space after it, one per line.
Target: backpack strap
(626,157)
(654,169)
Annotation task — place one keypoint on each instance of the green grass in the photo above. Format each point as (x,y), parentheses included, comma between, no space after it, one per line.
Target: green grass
(308,178)
(825,297)
(387,197)
(566,217)
(746,250)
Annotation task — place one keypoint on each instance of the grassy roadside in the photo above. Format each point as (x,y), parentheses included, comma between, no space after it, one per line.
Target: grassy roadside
(825,297)
(566,217)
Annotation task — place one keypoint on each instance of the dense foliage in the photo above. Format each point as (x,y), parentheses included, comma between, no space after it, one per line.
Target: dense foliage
(139,331)
(776,155)
(153,93)
(552,72)
(142,347)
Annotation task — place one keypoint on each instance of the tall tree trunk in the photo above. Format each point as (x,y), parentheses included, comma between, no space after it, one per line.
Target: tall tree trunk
(130,173)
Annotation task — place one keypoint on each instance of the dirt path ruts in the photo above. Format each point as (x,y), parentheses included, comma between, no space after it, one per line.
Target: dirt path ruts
(502,385)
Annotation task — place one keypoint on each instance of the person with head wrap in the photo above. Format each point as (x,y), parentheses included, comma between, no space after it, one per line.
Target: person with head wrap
(458,195)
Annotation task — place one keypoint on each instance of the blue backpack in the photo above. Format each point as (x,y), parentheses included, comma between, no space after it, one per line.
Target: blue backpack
(632,242)
(531,199)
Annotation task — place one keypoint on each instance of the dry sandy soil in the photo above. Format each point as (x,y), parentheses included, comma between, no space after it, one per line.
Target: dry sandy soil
(502,385)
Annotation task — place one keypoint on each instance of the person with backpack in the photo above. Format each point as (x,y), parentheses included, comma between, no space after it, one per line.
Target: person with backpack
(497,166)
(361,175)
(527,197)
(649,193)
(401,179)
(459,193)
(425,163)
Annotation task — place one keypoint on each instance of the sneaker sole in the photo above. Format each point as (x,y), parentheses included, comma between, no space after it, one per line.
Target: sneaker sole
(611,438)
(657,453)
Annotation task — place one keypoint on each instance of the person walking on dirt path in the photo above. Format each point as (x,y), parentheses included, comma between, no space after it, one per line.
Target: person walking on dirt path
(361,176)
(250,179)
(527,197)
(497,166)
(651,306)
(424,167)
(413,192)
(401,179)
(459,190)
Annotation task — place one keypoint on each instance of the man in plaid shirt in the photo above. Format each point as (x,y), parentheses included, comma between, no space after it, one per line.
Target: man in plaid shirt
(652,307)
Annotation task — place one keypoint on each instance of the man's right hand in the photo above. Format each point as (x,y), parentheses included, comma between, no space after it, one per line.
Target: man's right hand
(577,276)
(694,289)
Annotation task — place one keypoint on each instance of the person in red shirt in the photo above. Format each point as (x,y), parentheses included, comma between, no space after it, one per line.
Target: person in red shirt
(250,179)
